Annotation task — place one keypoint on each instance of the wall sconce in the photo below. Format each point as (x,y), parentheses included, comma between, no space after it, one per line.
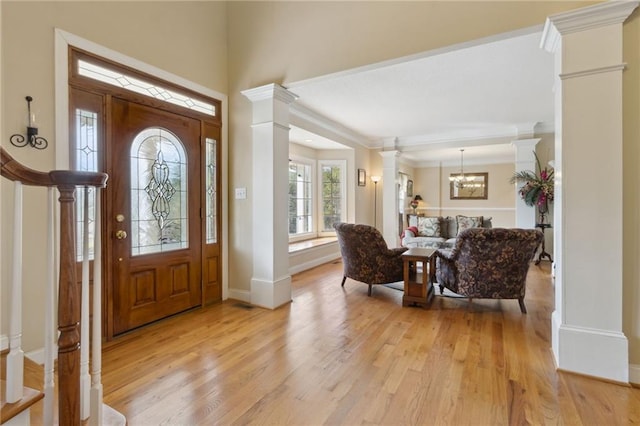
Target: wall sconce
(32,132)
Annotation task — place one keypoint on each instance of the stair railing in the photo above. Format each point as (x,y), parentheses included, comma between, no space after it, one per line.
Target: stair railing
(75,401)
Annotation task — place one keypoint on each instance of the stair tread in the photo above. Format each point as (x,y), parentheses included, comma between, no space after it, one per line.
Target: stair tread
(29,397)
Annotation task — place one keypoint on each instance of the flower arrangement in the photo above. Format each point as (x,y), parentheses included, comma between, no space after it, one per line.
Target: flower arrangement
(538,187)
(414,204)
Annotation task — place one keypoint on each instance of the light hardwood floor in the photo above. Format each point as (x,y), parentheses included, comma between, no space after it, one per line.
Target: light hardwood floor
(336,356)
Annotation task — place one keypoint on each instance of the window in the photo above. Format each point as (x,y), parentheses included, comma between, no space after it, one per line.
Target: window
(316,201)
(332,193)
(300,199)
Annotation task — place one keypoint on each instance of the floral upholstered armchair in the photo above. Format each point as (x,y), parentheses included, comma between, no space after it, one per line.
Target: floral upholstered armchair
(366,257)
(488,263)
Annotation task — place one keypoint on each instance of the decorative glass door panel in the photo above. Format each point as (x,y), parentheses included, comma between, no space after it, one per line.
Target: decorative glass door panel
(159,182)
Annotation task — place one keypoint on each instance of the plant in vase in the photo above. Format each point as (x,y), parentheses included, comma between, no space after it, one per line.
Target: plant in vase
(537,189)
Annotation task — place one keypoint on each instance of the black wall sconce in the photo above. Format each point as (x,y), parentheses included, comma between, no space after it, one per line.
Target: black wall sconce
(32,133)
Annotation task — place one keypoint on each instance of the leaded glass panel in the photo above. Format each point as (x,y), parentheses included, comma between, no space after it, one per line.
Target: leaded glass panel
(86,159)
(211,194)
(159,197)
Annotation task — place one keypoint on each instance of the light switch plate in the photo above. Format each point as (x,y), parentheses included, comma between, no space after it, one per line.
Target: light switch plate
(241,193)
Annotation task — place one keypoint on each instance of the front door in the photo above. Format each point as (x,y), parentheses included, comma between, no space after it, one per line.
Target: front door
(154,214)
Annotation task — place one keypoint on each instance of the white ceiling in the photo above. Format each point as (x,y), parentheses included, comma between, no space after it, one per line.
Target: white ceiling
(479,96)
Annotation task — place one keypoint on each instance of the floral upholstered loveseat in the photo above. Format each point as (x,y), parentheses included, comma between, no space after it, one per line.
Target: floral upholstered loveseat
(488,263)
(438,231)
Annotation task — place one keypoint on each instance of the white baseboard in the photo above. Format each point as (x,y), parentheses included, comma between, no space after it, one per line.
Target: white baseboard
(271,294)
(634,374)
(4,342)
(593,352)
(241,295)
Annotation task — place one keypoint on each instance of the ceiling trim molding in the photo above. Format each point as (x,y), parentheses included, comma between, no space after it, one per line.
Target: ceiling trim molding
(307,115)
(456,136)
(496,160)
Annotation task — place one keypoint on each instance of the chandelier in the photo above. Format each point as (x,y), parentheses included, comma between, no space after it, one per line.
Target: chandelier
(460,180)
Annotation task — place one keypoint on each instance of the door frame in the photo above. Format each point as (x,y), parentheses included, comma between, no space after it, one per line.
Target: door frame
(64,40)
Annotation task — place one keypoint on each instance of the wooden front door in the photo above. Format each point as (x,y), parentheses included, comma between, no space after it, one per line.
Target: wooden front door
(153,216)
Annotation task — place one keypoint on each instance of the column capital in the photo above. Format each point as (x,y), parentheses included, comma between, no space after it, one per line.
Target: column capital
(524,147)
(270,91)
(598,15)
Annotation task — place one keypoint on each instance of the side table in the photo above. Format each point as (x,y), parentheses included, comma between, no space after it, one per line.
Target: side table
(418,286)
(543,253)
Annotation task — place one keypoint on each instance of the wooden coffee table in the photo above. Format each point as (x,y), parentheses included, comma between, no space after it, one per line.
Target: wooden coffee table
(418,286)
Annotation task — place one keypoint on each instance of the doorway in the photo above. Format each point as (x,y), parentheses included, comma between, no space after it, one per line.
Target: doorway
(162,207)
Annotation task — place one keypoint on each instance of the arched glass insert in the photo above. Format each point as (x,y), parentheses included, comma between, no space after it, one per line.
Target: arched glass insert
(159,187)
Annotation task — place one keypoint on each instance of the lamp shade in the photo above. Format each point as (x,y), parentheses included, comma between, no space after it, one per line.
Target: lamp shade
(417,198)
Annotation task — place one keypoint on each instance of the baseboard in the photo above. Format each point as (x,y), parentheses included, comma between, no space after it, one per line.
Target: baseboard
(634,374)
(313,263)
(593,352)
(4,342)
(271,294)
(241,295)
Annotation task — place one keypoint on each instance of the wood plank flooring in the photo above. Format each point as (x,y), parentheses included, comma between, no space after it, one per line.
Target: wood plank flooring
(335,356)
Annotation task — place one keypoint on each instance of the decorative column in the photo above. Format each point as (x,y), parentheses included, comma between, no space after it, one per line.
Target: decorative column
(586,327)
(271,282)
(525,160)
(390,198)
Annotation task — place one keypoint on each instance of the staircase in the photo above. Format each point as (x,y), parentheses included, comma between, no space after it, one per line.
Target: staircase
(18,412)
(76,392)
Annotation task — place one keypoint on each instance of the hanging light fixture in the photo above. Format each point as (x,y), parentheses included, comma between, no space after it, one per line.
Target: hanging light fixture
(460,179)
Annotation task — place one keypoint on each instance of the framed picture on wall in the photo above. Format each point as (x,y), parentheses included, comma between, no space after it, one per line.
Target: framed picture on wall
(362,177)
(470,186)
(409,188)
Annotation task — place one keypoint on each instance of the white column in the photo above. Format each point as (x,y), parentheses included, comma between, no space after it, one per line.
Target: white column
(390,198)
(271,282)
(586,326)
(525,160)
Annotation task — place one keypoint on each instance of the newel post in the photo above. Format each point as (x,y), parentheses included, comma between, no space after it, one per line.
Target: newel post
(68,314)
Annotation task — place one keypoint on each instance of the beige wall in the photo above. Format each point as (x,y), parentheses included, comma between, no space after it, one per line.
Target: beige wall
(188,39)
(433,184)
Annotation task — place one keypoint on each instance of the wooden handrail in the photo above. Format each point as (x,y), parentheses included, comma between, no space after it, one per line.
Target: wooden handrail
(69,296)
(14,171)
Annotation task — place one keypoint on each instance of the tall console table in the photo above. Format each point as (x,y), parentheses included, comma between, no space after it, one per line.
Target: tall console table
(543,254)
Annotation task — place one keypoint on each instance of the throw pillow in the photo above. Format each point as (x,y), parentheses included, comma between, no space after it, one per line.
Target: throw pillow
(429,226)
(466,222)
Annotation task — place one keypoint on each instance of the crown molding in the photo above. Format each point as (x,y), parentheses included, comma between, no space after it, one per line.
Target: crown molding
(586,18)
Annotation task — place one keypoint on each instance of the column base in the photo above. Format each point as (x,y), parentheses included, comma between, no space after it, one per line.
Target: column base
(592,352)
(271,294)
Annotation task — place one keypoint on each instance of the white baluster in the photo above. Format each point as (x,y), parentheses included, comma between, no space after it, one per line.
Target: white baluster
(15,359)
(96,337)
(85,379)
(50,336)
